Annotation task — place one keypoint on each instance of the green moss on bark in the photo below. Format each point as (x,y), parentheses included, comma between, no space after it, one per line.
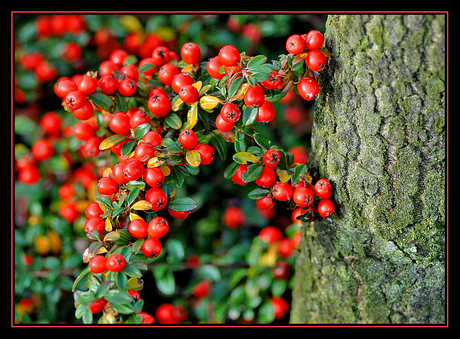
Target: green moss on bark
(379,136)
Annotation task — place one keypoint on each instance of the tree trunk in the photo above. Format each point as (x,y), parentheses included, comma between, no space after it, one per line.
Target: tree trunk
(379,136)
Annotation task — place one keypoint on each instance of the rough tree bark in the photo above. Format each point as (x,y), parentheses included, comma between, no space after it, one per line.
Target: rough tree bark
(379,135)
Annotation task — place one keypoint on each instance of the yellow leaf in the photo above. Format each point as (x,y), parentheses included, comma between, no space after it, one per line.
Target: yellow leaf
(209,102)
(198,85)
(187,69)
(111,141)
(166,170)
(131,23)
(228,137)
(192,115)
(177,105)
(108,225)
(107,172)
(239,95)
(135,283)
(204,89)
(283,175)
(193,157)
(155,162)
(142,205)
(133,216)
(245,157)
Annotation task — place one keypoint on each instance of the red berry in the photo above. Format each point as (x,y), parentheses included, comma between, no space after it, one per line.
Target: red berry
(223,125)
(202,289)
(138,118)
(138,228)
(159,105)
(75,99)
(266,112)
(270,234)
(280,307)
(151,248)
(93,210)
(166,73)
(133,169)
(87,84)
(285,247)
(83,130)
(148,61)
(313,40)
(131,72)
(152,138)
(206,152)
(303,196)
(64,87)
(282,191)
(118,173)
(154,177)
(147,318)
(188,139)
(42,149)
(238,176)
(266,202)
(308,88)
(118,56)
(95,224)
(230,113)
(107,185)
(271,158)
(189,94)
(295,44)
(127,87)
(213,67)
(98,305)
(229,55)
(115,263)
(119,123)
(233,217)
(273,81)
(157,198)
(51,123)
(254,96)
(144,152)
(326,208)
(323,188)
(190,53)
(282,270)
(267,178)
(108,84)
(178,215)
(85,112)
(316,60)
(160,55)
(97,264)
(165,314)
(158,227)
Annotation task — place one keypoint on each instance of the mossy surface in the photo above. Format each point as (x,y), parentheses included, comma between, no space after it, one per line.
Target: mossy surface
(379,136)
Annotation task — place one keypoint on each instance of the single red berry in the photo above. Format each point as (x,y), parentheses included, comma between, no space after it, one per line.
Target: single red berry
(115,263)
(223,125)
(326,208)
(270,234)
(165,314)
(157,198)
(238,176)
(202,289)
(93,210)
(118,56)
(107,185)
(91,146)
(152,138)
(206,152)
(133,169)
(75,99)
(131,72)
(95,224)
(313,39)
(29,174)
(267,178)
(97,264)
(271,158)
(160,55)
(285,248)
(282,191)
(254,96)
(230,113)
(266,202)
(229,55)
(107,67)
(190,53)
(308,88)
(118,173)
(158,227)
(138,228)
(151,248)
(280,307)
(127,87)
(138,118)
(87,84)
(303,196)
(147,318)
(213,67)
(295,44)
(282,270)
(148,61)
(83,130)
(144,152)
(159,105)
(189,94)
(273,81)
(296,239)
(51,123)
(134,294)
(108,84)
(64,87)
(316,60)
(154,177)
(97,305)
(167,73)
(188,139)
(266,112)
(85,112)
(178,215)
(323,188)
(233,217)
(119,123)
(42,149)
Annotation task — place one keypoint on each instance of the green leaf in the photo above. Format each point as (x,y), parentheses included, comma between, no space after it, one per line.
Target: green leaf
(111,141)
(141,130)
(24,125)
(221,145)
(230,170)
(254,171)
(101,100)
(261,140)
(235,86)
(209,272)
(175,250)
(118,296)
(146,67)
(278,287)
(164,279)
(266,313)
(250,115)
(127,148)
(257,61)
(182,204)
(121,280)
(80,277)
(299,169)
(133,195)
(258,193)
(172,120)
(120,103)
(132,270)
